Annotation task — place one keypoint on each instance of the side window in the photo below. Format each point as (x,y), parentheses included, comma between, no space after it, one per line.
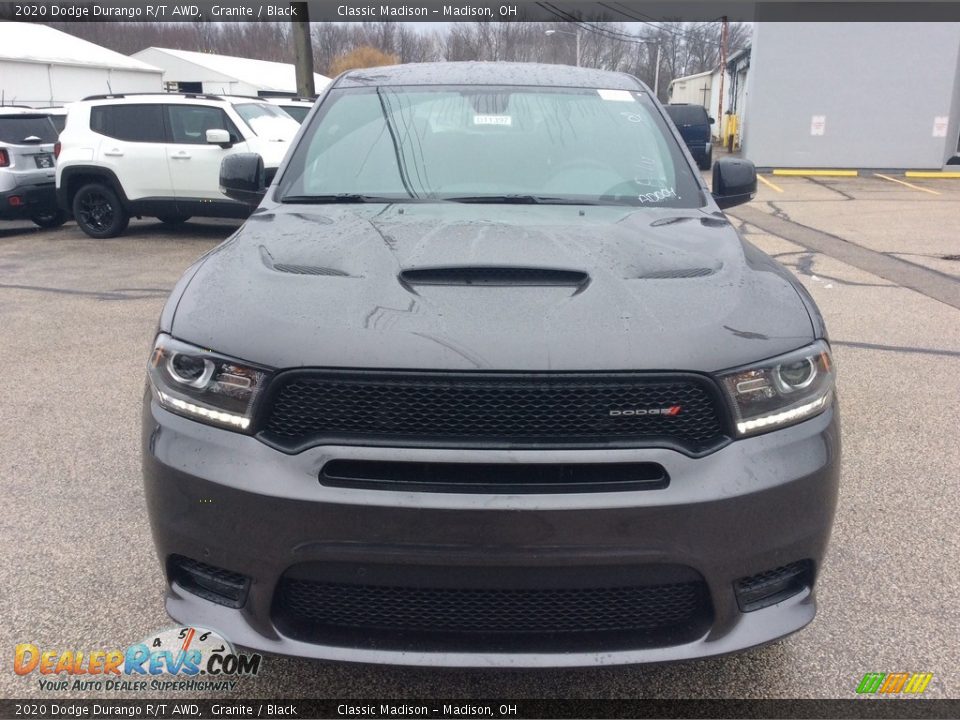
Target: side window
(133,123)
(189,123)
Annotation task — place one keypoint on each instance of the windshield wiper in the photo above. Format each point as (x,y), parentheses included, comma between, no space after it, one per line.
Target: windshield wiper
(341,198)
(519,200)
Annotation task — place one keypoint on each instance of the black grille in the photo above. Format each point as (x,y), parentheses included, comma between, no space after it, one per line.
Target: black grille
(506,410)
(478,618)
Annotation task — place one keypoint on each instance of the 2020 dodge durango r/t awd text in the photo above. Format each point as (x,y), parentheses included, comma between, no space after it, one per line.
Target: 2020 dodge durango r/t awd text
(489,379)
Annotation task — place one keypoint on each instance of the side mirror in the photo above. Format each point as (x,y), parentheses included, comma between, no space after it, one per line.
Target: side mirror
(242,178)
(215,136)
(734,182)
(712,121)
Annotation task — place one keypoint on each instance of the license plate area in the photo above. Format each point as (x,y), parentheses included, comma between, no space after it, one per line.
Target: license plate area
(44,160)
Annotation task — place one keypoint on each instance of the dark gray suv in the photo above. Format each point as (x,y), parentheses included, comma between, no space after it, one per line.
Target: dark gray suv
(488,379)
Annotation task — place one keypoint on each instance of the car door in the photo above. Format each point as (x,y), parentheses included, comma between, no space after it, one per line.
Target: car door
(133,145)
(194,163)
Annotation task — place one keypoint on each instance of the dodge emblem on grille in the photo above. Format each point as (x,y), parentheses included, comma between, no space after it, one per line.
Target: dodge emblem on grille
(672,410)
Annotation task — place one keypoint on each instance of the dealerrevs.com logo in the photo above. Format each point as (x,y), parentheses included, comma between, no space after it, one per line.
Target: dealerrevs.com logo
(179,658)
(894,683)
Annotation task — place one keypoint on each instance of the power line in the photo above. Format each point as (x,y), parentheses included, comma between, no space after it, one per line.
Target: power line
(614,34)
(673,31)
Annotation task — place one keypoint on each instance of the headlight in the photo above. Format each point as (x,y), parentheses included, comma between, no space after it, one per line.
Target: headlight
(203,385)
(781,391)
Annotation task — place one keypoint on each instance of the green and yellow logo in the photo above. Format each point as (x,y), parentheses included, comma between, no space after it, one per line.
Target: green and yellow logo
(894,683)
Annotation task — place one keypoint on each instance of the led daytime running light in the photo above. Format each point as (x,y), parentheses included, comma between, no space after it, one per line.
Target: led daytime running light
(783,417)
(200,411)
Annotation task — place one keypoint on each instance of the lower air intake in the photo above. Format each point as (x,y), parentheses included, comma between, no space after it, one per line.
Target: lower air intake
(492,618)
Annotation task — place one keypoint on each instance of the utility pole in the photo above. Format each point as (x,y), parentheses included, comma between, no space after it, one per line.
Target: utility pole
(303,47)
(656,74)
(723,72)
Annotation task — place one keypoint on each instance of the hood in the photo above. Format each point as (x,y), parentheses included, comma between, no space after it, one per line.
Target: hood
(459,286)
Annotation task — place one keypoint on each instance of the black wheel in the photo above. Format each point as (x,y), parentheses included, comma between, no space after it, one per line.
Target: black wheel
(707,162)
(50,218)
(98,211)
(173,219)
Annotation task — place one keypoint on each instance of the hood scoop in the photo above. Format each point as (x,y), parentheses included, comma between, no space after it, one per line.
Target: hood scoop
(298,268)
(495,276)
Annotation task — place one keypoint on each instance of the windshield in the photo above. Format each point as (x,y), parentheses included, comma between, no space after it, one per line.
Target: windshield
(15,129)
(267,120)
(500,144)
(297,112)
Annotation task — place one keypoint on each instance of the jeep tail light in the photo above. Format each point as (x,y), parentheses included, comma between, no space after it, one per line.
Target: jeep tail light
(4,158)
(56,149)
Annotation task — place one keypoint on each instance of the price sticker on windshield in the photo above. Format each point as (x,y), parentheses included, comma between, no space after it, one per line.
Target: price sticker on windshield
(492,120)
(616,95)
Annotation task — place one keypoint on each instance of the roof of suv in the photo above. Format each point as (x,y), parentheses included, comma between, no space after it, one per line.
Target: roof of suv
(10,110)
(488,73)
(169,98)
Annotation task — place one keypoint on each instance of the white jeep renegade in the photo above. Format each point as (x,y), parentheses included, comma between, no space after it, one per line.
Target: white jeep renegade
(159,155)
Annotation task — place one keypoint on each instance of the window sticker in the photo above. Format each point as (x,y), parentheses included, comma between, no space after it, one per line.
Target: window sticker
(492,120)
(616,95)
(657,196)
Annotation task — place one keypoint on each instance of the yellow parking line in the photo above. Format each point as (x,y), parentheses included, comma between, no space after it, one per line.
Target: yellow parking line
(769,184)
(924,174)
(815,173)
(909,185)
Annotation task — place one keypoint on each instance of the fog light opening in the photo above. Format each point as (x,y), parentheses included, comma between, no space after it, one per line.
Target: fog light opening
(208,581)
(772,586)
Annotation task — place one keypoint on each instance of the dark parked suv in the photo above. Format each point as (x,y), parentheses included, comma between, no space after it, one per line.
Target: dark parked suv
(488,379)
(694,125)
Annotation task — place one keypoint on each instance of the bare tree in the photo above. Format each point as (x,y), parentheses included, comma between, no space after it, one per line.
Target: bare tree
(686,48)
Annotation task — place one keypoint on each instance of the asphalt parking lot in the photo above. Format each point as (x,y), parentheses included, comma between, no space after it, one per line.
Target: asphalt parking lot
(77,567)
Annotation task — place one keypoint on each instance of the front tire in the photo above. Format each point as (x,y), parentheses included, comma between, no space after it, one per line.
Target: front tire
(49,219)
(99,212)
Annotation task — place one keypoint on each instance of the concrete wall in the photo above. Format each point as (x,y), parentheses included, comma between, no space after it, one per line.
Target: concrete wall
(42,84)
(879,87)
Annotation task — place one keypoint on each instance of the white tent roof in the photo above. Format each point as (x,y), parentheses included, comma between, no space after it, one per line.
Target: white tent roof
(260,73)
(35,43)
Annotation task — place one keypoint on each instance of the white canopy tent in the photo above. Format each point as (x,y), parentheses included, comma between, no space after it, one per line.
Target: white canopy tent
(40,66)
(224,74)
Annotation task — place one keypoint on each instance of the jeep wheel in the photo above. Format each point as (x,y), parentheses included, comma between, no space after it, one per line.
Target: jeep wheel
(173,219)
(50,218)
(98,211)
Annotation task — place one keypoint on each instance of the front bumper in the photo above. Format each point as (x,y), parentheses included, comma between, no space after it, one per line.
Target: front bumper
(230,501)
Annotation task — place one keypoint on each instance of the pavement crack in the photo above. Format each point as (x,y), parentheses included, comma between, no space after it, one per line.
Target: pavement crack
(779,212)
(120,294)
(828,186)
(932,283)
(896,348)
